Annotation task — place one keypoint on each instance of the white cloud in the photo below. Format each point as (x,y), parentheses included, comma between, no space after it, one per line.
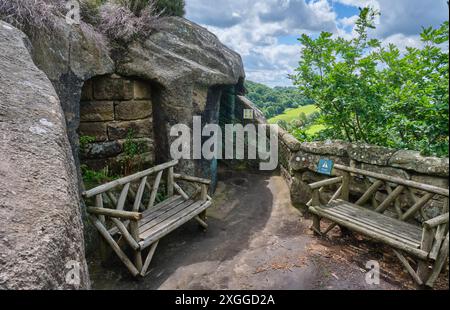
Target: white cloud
(402,41)
(257,28)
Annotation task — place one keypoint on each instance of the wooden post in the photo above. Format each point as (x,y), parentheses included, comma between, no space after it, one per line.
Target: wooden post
(345,192)
(203,197)
(170,182)
(316,219)
(105,250)
(439,264)
(204,193)
(423,270)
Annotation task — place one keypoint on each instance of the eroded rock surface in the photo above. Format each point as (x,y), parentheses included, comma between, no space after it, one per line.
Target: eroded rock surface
(41,234)
(192,68)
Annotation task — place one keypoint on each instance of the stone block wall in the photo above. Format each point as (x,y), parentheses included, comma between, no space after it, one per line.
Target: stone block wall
(115,112)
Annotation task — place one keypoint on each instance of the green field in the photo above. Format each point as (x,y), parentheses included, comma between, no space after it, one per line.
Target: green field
(291,114)
(313,129)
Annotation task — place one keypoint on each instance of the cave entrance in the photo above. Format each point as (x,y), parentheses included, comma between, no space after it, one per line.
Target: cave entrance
(116,135)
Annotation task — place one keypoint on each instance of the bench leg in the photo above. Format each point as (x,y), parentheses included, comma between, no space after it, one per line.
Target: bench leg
(201,219)
(423,270)
(316,225)
(408,267)
(149,258)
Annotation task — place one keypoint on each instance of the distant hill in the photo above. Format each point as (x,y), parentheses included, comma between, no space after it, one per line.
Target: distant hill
(274,101)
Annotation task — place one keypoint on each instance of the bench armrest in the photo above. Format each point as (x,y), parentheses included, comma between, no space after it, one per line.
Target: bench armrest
(191,179)
(132,216)
(436,221)
(326,182)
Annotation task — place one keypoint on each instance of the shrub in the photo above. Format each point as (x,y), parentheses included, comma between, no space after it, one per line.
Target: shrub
(126,20)
(26,14)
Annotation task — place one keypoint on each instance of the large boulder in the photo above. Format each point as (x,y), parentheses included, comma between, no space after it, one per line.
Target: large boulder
(41,235)
(71,55)
(193,68)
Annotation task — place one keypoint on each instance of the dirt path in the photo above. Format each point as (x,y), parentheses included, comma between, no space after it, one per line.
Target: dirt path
(256,240)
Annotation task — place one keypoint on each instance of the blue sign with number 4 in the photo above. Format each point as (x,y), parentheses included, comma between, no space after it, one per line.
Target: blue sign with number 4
(325,166)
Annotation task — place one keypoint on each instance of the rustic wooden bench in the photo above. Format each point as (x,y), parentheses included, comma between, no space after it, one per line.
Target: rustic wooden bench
(403,226)
(136,220)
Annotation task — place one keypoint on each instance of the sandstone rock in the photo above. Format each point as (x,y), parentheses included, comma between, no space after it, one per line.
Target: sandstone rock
(101,150)
(187,54)
(395,172)
(289,140)
(113,88)
(371,154)
(142,90)
(431,180)
(308,161)
(96,111)
(189,57)
(41,233)
(336,147)
(411,160)
(199,98)
(133,110)
(97,130)
(139,128)
(69,57)
(87,92)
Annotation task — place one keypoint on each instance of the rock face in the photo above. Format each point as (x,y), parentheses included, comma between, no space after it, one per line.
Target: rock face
(41,235)
(191,69)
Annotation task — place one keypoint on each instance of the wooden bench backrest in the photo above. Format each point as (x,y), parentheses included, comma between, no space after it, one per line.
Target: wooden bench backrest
(125,182)
(393,194)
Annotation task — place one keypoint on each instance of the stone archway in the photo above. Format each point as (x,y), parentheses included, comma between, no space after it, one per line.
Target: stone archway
(116,124)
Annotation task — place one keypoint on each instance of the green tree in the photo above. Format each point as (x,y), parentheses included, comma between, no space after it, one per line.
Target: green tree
(375,94)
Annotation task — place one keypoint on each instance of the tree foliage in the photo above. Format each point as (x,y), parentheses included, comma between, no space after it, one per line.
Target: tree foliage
(273,101)
(378,94)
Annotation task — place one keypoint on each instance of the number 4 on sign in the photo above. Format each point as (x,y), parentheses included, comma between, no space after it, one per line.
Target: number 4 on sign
(325,166)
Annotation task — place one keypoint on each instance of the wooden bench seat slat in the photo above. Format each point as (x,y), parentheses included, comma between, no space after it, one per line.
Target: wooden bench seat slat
(386,225)
(364,227)
(189,212)
(161,217)
(371,217)
(370,233)
(412,239)
(173,223)
(145,214)
(152,214)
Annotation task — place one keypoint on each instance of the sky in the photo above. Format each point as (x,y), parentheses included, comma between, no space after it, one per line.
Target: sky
(265,32)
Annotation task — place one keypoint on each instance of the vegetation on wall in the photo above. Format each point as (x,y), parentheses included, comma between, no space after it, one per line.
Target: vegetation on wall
(131,159)
(377,94)
(120,20)
(274,101)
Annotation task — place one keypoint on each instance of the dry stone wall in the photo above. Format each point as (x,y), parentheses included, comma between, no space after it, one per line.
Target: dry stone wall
(115,111)
(299,160)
